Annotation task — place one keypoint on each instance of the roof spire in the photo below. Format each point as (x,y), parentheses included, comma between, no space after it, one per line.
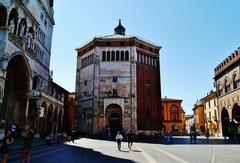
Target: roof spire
(119,29)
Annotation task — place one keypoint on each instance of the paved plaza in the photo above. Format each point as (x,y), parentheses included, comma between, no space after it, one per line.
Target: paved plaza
(97,151)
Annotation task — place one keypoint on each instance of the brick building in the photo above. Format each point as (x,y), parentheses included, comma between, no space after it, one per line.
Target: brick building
(173,115)
(118,84)
(198,114)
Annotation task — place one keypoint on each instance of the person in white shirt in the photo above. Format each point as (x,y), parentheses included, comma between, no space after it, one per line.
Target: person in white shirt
(119,138)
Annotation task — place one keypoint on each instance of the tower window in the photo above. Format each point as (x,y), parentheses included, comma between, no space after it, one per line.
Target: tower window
(113,56)
(122,55)
(85,82)
(126,56)
(117,56)
(115,79)
(115,91)
(108,56)
(103,56)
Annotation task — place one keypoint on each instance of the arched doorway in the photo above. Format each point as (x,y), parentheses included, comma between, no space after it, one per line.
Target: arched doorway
(114,118)
(42,118)
(225,122)
(236,113)
(16,91)
(50,115)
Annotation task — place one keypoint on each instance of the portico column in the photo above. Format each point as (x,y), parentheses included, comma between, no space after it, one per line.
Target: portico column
(27,107)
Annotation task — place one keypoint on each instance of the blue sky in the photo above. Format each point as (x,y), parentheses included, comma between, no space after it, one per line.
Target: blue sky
(195,37)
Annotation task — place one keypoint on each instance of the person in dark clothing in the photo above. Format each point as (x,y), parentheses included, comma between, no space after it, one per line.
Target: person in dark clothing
(27,135)
(130,140)
(7,140)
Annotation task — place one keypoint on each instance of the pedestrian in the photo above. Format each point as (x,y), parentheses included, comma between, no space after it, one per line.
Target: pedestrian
(119,138)
(130,140)
(27,135)
(7,140)
(169,137)
(191,136)
(207,135)
(195,137)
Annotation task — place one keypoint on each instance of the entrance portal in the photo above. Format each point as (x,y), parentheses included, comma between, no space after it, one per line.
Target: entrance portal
(16,91)
(114,118)
(225,122)
(236,113)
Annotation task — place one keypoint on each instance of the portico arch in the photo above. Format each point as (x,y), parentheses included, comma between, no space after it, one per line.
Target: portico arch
(16,90)
(225,122)
(236,113)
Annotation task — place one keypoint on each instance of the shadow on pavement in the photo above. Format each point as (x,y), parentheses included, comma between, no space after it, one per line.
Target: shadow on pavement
(78,154)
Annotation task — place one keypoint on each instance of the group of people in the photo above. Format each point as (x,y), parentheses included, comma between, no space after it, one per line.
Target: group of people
(27,135)
(119,139)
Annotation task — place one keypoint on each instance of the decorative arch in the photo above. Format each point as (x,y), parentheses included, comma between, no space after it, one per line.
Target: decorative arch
(22,28)
(236,80)
(3,15)
(13,20)
(227,86)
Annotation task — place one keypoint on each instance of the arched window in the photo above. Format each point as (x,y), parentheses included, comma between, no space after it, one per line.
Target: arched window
(30,37)
(3,15)
(117,55)
(174,117)
(103,56)
(236,81)
(108,56)
(35,83)
(227,86)
(220,90)
(13,20)
(174,108)
(113,56)
(122,55)
(126,56)
(22,28)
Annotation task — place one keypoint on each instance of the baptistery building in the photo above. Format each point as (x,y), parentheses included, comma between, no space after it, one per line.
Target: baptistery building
(118,84)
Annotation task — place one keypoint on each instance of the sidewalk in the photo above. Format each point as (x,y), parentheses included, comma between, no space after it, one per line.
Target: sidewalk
(18,144)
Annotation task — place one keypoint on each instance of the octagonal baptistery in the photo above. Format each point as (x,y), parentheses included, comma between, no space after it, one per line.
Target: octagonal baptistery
(118,85)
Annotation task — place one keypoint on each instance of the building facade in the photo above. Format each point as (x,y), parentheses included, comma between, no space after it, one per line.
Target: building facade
(118,84)
(173,116)
(227,79)
(25,48)
(198,113)
(211,113)
(189,121)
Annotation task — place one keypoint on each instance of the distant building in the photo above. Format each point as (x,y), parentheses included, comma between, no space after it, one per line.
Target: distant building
(227,79)
(211,113)
(198,113)
(70,113)
(118,84)
(173,115)
(189,122)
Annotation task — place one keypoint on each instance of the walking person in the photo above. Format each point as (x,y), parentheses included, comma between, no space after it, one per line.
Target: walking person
(7,140)
(119,138)
(27,135)
(130,140)
(207,135)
